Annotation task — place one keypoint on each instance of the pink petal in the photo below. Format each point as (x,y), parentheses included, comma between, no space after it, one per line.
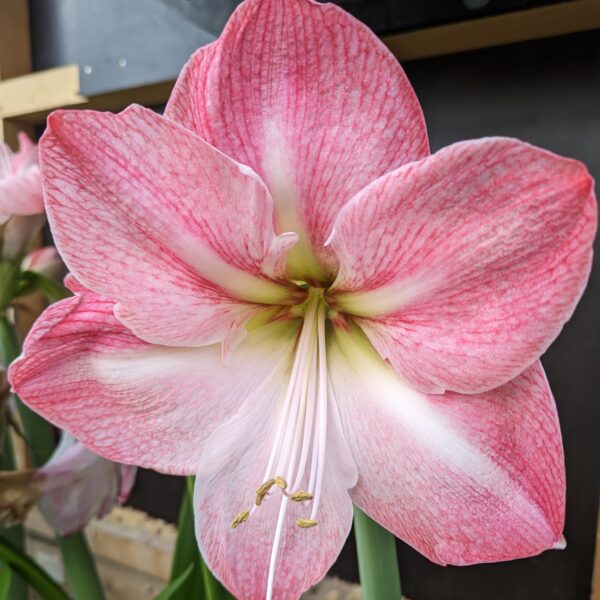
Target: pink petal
(131,401)
(78,486)
(232,467)
(27,155)
(21,195)
(146,213)
(468,263)
(462,479)
(310,99)
(20,185)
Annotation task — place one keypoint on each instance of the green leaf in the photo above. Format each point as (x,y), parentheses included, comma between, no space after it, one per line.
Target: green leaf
(9,278)
(30,282)
(202,584)
(174,586)
(186,550)
(29,570)
(5,577)
(80,566)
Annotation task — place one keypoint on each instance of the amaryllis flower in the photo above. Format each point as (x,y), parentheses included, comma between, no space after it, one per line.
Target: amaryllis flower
(20,186)
(287,296)
(72,488)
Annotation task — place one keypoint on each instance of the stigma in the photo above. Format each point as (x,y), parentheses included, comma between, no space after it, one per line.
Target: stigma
(296,464)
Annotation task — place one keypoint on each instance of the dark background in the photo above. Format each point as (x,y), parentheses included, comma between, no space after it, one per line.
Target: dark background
(545,92)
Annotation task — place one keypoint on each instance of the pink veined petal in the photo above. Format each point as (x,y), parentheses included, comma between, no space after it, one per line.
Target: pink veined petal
(131,401)
(309,98)
(231,469)
(466,265)
(461,478)
(186,229)
(77,486)
(71,283)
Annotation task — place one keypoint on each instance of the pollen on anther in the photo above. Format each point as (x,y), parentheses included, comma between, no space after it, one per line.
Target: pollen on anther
(301,496)
(306,523)
(280,482)
(240,518)
(265,488)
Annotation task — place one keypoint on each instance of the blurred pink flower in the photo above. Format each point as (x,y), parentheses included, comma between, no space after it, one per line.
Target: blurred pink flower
(20,185)
(78,485)
(73,487)
(289,297)
(45,261)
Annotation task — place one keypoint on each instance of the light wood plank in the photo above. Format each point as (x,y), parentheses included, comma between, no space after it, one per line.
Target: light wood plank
(37,93)
(535,23)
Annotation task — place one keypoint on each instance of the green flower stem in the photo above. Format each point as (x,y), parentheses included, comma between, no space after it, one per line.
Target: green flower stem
(201,585)
(80,568)
(377,559)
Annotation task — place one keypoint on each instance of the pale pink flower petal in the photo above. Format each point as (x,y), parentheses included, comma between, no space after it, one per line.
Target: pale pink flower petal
(78,485)
(232,467)
(45,261)
(309,98)
(20,185)
(170,228)
(468,263)
(131,401)
(462,479)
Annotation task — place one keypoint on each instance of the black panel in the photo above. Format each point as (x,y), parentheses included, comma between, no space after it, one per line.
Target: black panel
(120,44)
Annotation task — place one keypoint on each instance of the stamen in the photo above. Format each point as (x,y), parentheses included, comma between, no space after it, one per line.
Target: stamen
(263,490)
(306,523)
(240,518)
(301,496)
(298,451)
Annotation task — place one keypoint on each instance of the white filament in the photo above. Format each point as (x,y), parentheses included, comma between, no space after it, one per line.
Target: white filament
(302,426)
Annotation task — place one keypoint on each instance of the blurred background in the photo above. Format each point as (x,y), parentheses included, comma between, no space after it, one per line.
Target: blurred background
(529,69)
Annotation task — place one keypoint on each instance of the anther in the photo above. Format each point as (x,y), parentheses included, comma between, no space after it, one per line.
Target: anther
(240,518)
(301,496)
(306,523)
(263,490)
(280,482)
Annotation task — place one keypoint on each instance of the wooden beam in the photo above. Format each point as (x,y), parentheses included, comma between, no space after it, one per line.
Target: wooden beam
(536,23)
(36,93)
